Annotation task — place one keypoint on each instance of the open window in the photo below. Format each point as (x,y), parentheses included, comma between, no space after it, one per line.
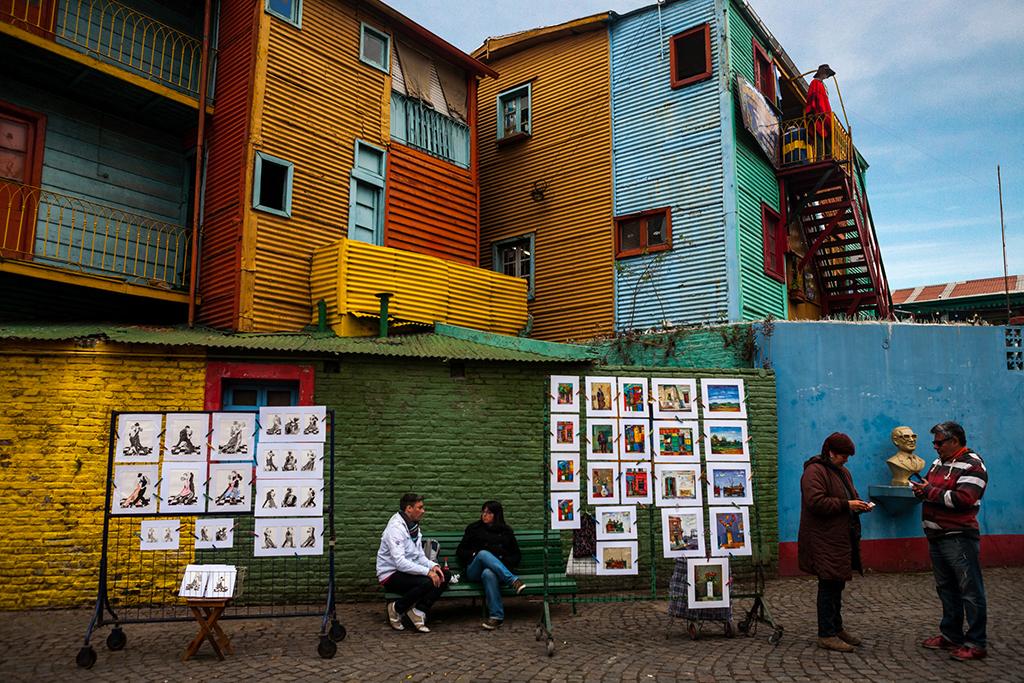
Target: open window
(690,56)
(272,185)
(643,233)
(515,257)
(764,72)
(514,112)
(775,241)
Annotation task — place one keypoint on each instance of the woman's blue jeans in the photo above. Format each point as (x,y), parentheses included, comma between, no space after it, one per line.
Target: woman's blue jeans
(492,573)
(960,587)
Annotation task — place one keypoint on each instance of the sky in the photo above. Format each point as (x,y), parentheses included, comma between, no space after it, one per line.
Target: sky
(930,93)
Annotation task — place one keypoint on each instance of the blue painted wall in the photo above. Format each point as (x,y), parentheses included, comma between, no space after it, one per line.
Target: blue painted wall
(866,378)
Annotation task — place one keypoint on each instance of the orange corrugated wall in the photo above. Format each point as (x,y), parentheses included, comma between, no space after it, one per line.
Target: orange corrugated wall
(224,201)
(570,151)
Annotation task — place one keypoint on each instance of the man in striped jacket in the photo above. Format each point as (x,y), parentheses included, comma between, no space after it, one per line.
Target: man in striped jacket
(951,496)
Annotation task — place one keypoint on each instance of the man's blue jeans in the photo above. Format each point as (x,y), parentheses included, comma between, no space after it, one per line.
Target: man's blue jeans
(960,587)
(492,573)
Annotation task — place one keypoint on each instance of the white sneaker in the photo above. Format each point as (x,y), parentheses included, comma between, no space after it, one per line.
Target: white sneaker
(418,619)
(394,618)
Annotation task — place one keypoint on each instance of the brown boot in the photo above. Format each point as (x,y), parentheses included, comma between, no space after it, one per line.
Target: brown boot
(833,643)
(848,637)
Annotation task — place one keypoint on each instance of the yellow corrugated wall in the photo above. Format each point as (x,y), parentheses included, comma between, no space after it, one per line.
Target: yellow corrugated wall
(570,150)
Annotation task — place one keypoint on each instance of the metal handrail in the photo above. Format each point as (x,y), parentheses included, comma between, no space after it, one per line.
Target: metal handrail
(814,137)
(47,227)
(116,32)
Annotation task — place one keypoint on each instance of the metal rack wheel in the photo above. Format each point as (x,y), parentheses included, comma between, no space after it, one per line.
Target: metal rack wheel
(691,630)
(86,657)
(744,627)
(539,633)
(116,640)
(327,648)
(337,632)
(776,636)
(551,647)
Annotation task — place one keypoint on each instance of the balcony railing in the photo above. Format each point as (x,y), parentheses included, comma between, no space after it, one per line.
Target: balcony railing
(417,125)
(812,138)
(45,227)
(115,33)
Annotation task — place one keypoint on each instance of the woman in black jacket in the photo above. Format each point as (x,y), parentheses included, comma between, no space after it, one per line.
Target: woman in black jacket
(487,551)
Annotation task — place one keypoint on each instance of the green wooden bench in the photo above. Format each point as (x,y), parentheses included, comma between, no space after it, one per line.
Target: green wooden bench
(530,570)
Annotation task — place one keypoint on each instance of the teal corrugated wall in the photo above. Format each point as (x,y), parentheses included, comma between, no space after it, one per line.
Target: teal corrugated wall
(760,295)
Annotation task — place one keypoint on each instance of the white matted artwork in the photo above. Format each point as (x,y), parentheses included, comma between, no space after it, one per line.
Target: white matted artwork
(290,460)
(221,582)
(676,441)
(234,436)
(726,440)
(636,482)
(615,522)
(723,399)
(682,532)
(632,396)
(565,510)
(287,537)
(602,483)
(707,583)
(287,498)
(617,558)
(134,489)
(182,488)
(138,437)
(729,483)
(230,487)
(293,423)
(565,472)
(565,432)
(215,533)
(186,436)
(601,397)
(730,531)
(677,485)
(633,441)
(565,394)
(193,583)
(602,438)
(674,398)
(159,534)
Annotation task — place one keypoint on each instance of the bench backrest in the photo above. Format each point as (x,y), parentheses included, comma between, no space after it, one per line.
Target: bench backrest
(531,545)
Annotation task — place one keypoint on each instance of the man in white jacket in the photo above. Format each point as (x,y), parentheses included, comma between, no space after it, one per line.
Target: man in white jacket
(402,566)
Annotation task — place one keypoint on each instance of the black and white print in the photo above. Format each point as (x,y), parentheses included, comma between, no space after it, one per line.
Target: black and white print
(293,424)
(138,437)
(288,537)
(290,460)
(134,490)
(186,436)
(288,498)
(234,436)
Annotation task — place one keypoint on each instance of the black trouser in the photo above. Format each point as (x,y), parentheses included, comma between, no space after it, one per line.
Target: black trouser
(417,591)
(830,607)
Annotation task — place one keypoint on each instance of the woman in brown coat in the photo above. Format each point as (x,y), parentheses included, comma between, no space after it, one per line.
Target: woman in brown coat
(829,541)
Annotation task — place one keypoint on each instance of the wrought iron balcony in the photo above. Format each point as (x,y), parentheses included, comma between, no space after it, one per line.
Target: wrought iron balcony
(48,228)
(813,138)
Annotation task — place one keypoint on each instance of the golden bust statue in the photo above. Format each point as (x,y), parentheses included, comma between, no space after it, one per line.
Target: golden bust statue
(904,463)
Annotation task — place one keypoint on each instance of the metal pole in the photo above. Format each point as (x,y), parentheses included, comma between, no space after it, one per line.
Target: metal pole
(1002,226)
(204,67)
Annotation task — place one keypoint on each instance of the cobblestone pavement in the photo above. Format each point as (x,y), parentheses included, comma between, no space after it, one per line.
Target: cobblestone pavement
(607,642)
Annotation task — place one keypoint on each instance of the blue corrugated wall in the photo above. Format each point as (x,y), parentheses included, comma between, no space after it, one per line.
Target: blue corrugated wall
(667,151)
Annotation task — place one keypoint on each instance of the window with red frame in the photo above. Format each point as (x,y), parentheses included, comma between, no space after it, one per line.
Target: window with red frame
(764,72)
(690,56)
(642,233)
(775,241)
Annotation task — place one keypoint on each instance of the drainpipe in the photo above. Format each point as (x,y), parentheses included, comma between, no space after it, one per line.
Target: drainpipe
(384,297)
(204,67)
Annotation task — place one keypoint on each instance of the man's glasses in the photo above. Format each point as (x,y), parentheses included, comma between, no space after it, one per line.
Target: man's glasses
(941,441)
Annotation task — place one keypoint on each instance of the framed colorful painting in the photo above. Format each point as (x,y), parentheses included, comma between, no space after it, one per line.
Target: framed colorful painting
(602,438)
(214,533)
(674,398)
(565,472)
(677,485)
(290,460)
(186,436)
(601,397)
(723,399)
(565,510)
(730,531)
(293,423)
(636,482)
(564,394)
(617,558)
(676,441)
(602,483)
(682,532)
(160,534)
(615,522)
(708,583)
(182,488)
(633,441)
(565,432)
(632,396)
(726,440)
(138,437)
(234,436)
(729,484)
(134,490)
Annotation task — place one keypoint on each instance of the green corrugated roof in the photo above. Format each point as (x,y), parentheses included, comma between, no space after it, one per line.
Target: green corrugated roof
(446,341)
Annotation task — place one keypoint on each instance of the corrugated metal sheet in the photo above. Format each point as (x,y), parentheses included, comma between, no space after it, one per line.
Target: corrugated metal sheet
(760,295)
(570,152)
(224,198)
(425,289)
(668,152)
(432,206)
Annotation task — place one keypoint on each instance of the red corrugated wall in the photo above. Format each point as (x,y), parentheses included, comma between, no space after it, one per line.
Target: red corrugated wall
(226,164)
(432,206)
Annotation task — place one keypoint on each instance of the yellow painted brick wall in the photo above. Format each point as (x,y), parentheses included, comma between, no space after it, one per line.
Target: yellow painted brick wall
(54,414)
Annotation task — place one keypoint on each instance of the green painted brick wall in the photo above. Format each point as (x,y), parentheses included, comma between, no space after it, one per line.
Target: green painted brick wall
(720,346)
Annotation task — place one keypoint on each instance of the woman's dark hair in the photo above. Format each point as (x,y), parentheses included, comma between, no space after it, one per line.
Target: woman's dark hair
(494,507)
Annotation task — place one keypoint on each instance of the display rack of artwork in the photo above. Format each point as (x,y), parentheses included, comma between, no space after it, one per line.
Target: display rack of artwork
(187,489)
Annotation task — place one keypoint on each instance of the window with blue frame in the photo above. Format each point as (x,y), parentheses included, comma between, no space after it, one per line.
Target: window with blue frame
(366,202)
(245,395)
(375,48)
(288,10)
(514,112)
(515,257)
(272,185)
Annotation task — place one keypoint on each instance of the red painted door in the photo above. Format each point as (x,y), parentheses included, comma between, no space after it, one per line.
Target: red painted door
(21,135)
(32,15)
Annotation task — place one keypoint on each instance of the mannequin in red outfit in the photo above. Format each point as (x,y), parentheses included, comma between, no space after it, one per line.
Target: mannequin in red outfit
(820,109)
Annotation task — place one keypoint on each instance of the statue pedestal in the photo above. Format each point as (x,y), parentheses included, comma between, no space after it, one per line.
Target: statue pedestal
(896,500)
